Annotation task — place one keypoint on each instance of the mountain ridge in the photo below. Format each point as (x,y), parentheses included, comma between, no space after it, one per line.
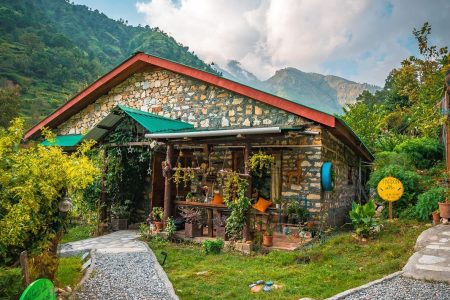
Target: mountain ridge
(328,93)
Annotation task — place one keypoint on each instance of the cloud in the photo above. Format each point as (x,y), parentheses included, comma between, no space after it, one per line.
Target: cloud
(359,39)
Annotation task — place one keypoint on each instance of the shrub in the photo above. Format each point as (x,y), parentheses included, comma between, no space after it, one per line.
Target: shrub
(423,152)
(428,202)
(387,158)
(363,219)
(10,283)
(409,179)
(408,213)
(213,247)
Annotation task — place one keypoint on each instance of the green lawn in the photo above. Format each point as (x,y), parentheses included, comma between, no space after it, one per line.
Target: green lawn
(69,271)
(68,274)
(339,264)
(77,233)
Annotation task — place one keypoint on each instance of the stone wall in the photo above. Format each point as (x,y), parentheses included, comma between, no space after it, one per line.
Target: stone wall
(346,163)
(178,97)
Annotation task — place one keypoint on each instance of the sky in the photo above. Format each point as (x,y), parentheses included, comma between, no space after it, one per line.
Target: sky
(361,40)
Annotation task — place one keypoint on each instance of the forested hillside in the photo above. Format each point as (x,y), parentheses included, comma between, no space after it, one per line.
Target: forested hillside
(52,49)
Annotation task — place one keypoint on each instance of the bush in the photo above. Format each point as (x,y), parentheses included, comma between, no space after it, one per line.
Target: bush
(10,283)
(409,179)
(213,247)
(363,219)
(428,202)
(387,158)
(423,152)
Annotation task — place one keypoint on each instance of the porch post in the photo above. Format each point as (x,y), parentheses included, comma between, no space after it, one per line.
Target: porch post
(246,230)
(167,187)
(102,209)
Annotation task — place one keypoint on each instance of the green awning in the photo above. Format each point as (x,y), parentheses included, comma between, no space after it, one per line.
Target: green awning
(155,123)
(151,122)
(64,140)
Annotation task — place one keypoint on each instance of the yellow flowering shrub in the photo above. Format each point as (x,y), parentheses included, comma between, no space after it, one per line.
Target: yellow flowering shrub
(33,179)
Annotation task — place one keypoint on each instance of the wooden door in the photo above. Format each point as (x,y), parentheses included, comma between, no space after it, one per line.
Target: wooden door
(157,198)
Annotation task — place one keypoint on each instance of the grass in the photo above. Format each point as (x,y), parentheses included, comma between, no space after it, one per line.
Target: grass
(77,233)
(339,264)
(69,271)
(11,278)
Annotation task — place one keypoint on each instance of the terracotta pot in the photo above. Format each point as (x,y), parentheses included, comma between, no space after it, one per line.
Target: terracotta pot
(159,225)
(310,225)
(444,209)
(192,230)
(268,240)
(221,233)
(436,218)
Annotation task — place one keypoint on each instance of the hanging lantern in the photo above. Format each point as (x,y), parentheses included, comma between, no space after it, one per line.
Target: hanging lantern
(65,204)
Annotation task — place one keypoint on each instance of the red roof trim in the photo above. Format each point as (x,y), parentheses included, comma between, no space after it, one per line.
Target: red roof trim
(212,79)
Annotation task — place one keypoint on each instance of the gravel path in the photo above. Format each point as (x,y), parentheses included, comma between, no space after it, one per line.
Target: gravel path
(405,289)
(124,276)
(123,269)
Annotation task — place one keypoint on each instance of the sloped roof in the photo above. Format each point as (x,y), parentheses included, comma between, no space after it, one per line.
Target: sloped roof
(141,61)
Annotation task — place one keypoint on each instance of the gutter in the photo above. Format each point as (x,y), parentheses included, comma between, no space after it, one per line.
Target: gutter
(213,133)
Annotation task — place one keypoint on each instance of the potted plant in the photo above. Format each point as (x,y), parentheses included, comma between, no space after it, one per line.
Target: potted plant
(436,216)
(268,235)
(190,197)
(119,215)
(192,221)
(158,215)
(282,205)
(219,224)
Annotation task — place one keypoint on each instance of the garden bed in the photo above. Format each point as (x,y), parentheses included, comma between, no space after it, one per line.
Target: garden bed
(339,264)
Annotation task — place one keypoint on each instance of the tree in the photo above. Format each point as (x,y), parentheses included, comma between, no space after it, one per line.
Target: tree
(9,104)
(33,179)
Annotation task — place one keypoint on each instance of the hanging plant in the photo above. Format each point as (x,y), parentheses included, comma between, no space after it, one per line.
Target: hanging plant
(260,164)
(230,185)
(234,192)
(189,175)
(177,177)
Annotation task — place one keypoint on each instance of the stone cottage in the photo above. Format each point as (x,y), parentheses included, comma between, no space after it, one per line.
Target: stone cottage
(217,123)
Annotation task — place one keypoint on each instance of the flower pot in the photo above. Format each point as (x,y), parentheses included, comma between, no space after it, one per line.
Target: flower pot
(268,240)
(221,233)
(436,217)
(192,230)
(159,225)
(310,224)
(444,209)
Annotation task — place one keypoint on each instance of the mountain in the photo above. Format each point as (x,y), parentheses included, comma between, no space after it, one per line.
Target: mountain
(52,49)
(323,92)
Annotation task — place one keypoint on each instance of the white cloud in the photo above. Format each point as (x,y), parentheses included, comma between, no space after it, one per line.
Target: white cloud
(266,35)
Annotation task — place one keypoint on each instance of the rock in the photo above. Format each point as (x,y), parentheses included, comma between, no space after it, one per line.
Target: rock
(277,286)
(260,282)
(252,285)
(267,288)
(202,273)
(269,283)
(68,289)
(256,289)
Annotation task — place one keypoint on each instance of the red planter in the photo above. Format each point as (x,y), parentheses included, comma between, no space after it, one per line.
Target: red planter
(159,225)
(192,230)
(436,218)
(268,240)
(444,209)
(221,233)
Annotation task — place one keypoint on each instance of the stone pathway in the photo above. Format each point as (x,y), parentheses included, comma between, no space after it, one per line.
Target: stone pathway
(431,260)
(124,268)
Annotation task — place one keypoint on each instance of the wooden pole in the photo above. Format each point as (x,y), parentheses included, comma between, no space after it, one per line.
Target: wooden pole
(24,265)
(390,211)
(102,209)
(246,230)
(167,186)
